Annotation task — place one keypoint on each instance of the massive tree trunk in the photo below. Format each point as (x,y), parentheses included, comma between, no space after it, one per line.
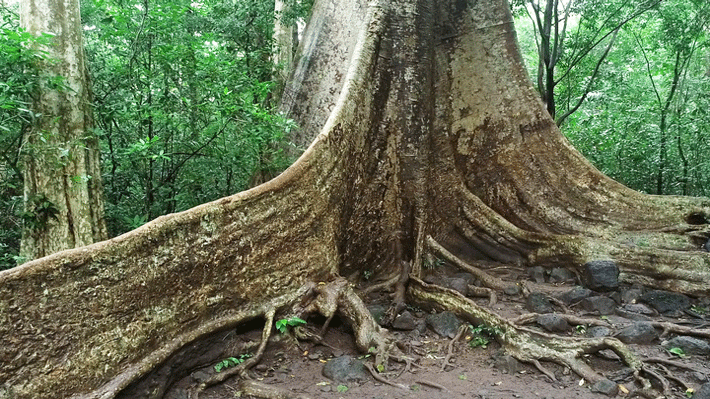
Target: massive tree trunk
(63,194)
(430,139)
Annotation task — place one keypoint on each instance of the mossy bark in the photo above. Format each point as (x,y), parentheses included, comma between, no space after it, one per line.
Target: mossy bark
(423,127)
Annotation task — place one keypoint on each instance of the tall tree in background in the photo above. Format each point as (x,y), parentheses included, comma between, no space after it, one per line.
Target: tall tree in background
(569,34)
(427,139)
(61,169)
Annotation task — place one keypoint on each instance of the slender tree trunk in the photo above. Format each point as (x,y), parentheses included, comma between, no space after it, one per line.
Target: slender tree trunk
(426,138)
(62,176)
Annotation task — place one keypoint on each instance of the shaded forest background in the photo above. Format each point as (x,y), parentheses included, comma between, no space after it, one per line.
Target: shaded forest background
(186,97)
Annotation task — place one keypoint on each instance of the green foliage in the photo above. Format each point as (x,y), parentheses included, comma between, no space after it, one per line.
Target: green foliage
(482,335)
(231,362)
(283,324)
(183,103)
(39,210)
(643,117)
(19,77)
(677,351)
(342,388)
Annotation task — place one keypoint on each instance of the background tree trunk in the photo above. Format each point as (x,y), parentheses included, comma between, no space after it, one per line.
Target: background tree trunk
(429,136)
(62,175)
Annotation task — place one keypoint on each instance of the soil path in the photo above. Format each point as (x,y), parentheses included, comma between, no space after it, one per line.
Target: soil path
(472,372)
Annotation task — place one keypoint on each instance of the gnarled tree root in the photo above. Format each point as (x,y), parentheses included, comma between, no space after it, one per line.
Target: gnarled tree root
(525,344)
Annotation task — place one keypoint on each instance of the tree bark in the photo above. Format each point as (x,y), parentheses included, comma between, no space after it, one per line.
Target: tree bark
(63,194)
(427,130)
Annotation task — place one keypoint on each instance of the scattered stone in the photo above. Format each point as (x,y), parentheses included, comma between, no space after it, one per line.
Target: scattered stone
(512,290)
(405,321)
(598,332)
(640,332)
(622,375)
(639,308)
(345,369)
(706,247)
(631,295)
(538,303)
(703,392)
(702,377)
(600,275)
(420,328)
(261,367)
(561,275)
(505,363)
(553,322)
(377,311)
(631,315)
(445,324)
(315,355)
(606,386)
(616,296)
(601,304)
(457,284)
(468,277)
(537,273)
(666,302)
(689,345)
(575,295)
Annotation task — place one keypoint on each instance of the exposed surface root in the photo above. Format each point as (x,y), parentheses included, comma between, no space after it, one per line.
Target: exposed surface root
(251,362)
(382,379)
(486,279)
(524,344)
(571,319)
(263,391)
(450,349)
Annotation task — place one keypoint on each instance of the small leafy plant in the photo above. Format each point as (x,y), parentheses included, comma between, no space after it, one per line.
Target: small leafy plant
(677,351)
(283,324)
(482,335)
(342,388)
(231,362)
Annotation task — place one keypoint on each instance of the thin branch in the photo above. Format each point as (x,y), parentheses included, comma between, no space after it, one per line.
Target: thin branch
(588,88)
(581,56)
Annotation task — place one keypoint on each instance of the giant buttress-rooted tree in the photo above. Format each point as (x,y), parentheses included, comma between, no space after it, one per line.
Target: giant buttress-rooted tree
(429,139)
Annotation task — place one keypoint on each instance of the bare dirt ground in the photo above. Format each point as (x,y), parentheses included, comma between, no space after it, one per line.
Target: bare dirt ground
(471,372)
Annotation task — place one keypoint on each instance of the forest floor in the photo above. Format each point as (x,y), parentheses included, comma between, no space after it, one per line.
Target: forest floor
(472,371)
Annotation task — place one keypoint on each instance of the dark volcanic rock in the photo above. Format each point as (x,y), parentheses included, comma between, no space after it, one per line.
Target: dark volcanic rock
(537,273)
(575,295)
(553,322)
(561,275)
(345,369)
(539,303)
(457,284)
(666,302)
(377,311)
(689,345)
(605,386)
(598,332)
(600,275)
(641,332)
(601,304)
(445,324)
(405,321)
(703,392)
